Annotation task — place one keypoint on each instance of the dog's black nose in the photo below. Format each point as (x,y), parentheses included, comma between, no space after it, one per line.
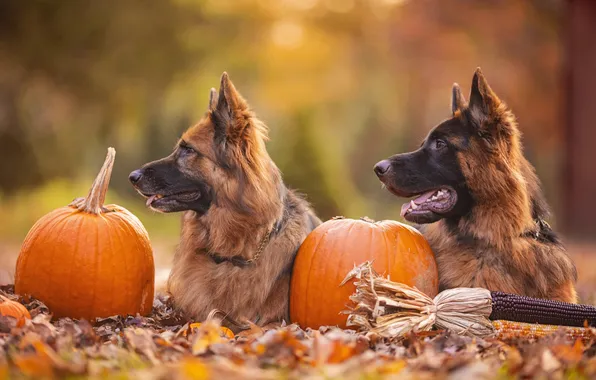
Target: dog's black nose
(135,176)
(382,167)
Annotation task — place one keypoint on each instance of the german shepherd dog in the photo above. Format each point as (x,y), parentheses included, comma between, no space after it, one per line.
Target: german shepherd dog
(241,226)
(479,202)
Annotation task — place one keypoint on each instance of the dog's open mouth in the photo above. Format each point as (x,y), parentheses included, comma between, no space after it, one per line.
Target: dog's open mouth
(439,201)
(156,200)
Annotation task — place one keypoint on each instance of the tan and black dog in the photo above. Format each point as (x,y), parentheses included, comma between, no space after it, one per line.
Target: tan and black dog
(480,202)
(241,226)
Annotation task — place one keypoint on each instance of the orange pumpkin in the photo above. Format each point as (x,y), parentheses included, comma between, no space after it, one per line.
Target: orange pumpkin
(14,309)
(331,250)
(88,260)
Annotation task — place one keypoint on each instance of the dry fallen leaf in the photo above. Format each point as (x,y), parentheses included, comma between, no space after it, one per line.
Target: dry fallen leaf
(34,365)
(549,361)
(194,369)
(141,340)
(569,354)
(204,336)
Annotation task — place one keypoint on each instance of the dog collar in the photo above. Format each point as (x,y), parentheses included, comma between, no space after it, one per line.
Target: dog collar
(239,261)
(543,233)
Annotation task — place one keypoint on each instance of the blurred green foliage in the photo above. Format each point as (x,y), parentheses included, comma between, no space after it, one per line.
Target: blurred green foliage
(342,84)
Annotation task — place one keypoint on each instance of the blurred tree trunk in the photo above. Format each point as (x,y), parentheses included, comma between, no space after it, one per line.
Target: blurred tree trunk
(580,168)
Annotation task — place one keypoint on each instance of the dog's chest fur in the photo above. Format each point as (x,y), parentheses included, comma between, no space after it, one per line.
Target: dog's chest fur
(521,266)
(258,291)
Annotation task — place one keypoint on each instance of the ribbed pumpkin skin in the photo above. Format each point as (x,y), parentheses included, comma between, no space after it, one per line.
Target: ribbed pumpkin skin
(85,265)
(331,251)
(14,309)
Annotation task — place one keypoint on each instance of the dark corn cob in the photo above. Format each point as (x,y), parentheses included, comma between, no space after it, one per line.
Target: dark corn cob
(517,308)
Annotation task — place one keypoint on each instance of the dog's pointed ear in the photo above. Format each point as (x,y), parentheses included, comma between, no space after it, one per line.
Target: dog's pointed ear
(229,99)
(228,110)
(458,102)
(212,99)
(482,97)
(492,116)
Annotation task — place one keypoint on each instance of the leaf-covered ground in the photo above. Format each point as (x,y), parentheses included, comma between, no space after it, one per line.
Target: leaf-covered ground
(166,346)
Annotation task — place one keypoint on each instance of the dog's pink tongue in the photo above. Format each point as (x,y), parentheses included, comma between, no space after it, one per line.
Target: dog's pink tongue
(418,200)
(421,199)
(150,200)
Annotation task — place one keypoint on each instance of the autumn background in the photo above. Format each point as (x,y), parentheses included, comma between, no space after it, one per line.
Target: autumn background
(341,84)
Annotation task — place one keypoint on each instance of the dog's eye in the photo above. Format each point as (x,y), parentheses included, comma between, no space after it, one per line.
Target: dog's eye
(185,150)
(440,144)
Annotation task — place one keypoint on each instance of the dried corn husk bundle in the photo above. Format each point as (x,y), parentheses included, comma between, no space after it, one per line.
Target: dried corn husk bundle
(391,309)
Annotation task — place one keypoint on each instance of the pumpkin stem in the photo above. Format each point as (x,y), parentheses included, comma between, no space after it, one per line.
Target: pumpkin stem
(93,204)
